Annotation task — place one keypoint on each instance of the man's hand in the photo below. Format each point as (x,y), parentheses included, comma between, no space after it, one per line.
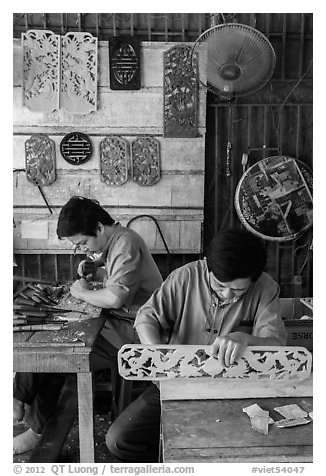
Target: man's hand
(77,289)
(230,347)
(86,269)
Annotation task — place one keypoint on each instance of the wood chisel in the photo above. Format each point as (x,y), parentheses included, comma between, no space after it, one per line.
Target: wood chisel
(50,344)
(43,308)
(38,327)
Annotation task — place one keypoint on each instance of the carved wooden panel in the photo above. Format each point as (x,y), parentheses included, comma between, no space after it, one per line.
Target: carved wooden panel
(76,148)
(78,85)
(41,70)
(114,160)
(158,362)
(180,92)
(40,159)
(124,63)
(146,160)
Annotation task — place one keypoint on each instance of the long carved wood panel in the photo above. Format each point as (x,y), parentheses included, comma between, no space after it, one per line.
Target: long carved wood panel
(156,362)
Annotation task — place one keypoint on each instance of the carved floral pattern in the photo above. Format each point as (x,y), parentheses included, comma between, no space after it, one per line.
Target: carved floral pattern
(114,160)
(40,159)
(180,92)
(59,72)
(41,66)
(146,161)
(157,362)
(78,90)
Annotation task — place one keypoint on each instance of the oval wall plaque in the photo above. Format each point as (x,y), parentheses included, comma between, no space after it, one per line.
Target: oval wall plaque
(124,63)
(76,148)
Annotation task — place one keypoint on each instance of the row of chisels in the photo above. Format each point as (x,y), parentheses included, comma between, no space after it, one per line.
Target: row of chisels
(36,308)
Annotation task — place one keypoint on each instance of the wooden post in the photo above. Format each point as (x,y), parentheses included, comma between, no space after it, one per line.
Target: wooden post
(86,417)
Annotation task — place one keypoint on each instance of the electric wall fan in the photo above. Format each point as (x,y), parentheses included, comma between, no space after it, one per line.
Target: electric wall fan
(240,60)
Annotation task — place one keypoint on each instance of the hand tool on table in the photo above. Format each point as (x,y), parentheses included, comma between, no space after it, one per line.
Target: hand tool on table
(40,295)
(38,327)
(42,308)
(28,279)
(77,343)
(27,321)
(36,318)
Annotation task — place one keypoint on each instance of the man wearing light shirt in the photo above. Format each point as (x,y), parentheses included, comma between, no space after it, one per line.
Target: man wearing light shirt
(129,274)
(204,303)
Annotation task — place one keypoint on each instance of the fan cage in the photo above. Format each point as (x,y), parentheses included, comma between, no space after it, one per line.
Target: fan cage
(248,59)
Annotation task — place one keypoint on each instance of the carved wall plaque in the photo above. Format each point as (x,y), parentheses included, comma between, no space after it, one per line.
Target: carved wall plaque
(40,159)
(180,92)
(78,88)
(157,362)
(114,160)
(59,72)
(124,63)
(76,148)
(146,160)
(41,70)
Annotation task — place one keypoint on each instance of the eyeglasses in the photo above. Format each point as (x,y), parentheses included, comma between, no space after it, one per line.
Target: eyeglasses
(218,286)
(80,246)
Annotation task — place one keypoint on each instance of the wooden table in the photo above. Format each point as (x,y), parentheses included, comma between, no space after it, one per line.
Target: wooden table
(218,431)
(68,350)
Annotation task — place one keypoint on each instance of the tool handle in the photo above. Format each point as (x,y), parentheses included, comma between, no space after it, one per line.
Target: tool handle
(37,327)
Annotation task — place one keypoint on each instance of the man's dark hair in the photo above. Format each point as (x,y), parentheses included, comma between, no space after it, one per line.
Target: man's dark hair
(81,216)
(235,254)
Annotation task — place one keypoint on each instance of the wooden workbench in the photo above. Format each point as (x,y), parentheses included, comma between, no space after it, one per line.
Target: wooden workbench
(68,350)
(218,431)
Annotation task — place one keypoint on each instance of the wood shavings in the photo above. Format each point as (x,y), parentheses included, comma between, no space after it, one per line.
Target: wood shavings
(259,418)
(290,412)
(286,423)
(260,423)
(256,411)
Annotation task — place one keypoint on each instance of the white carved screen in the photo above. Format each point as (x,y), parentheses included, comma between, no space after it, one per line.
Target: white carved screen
(59,72)
(158,362)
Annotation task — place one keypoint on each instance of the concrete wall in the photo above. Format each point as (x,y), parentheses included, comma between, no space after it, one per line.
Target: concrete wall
(176,201)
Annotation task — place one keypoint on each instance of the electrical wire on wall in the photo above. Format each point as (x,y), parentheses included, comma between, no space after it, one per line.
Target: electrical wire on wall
(277,127)
(161,235)
(308,246)
(40,190)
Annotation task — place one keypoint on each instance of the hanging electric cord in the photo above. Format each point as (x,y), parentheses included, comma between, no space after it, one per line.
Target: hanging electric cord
(40,190)
(160,232)
(308,244)
(285,100)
